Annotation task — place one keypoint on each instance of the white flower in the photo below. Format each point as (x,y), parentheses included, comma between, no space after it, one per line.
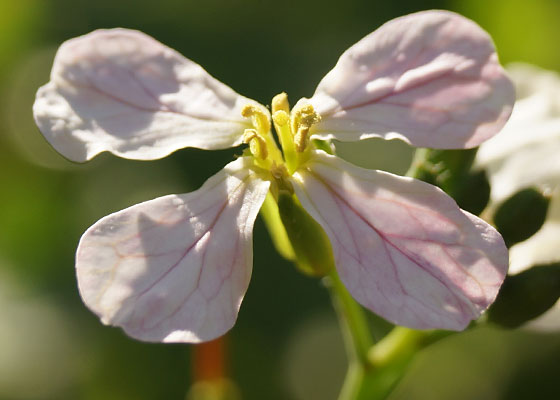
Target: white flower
(526,154)
(176,268)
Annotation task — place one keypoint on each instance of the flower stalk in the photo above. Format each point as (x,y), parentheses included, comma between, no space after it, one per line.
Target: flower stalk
(374,368)
(176,268)
(357,339)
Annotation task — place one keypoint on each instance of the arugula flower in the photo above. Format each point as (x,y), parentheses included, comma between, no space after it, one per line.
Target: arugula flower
(176,268)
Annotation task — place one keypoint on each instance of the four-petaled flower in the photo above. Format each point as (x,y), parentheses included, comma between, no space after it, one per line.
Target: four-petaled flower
(175,269)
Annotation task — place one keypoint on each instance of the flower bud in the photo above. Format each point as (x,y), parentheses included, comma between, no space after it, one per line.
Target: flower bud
(309,241)
(526,295)
(521,216)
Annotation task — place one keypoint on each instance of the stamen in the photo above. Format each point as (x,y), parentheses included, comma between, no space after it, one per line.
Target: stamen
(297,114)
(257,144)
(261,121)
(302,120)
(300,139)
(280,103)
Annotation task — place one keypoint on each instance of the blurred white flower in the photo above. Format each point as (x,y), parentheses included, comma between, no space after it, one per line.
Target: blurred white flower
(525,154)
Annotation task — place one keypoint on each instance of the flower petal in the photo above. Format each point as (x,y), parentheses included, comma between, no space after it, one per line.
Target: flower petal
(174,269)
(402,247)
(121,91)
(430,78)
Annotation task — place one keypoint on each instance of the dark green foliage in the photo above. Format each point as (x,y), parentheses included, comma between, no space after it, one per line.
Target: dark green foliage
(521,216)
(526,295)
(473,194)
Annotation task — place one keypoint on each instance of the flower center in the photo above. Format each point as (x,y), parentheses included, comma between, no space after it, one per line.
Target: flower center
(292,129)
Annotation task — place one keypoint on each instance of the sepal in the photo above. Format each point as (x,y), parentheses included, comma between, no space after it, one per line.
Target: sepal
(278,235)
(312,248)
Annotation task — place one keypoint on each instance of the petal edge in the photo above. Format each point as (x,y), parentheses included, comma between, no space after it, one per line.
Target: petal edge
(176,268)
(121,91)
(431,79)
(402,247)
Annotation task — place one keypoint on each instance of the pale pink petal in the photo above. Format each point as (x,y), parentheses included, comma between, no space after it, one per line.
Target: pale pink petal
(175,269)
(402,247)
(122,91)
(430,78)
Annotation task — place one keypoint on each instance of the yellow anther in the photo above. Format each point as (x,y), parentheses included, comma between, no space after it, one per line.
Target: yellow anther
(309,119)
(280,117)
(299,113)
(302,120)
(306,109)
(249,135)
(280,103)
(257,144)
(261,120)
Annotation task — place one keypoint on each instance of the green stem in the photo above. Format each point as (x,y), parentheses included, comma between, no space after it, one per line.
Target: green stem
(400,345)
(392,356)
(357,339)
(418,161)
(374,370)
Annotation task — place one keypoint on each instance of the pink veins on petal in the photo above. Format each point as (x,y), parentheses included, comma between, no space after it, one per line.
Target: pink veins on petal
(196,263)
(402,247)
(176,268)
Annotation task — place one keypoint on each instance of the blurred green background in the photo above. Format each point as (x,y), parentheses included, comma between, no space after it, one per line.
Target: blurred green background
(286,344)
